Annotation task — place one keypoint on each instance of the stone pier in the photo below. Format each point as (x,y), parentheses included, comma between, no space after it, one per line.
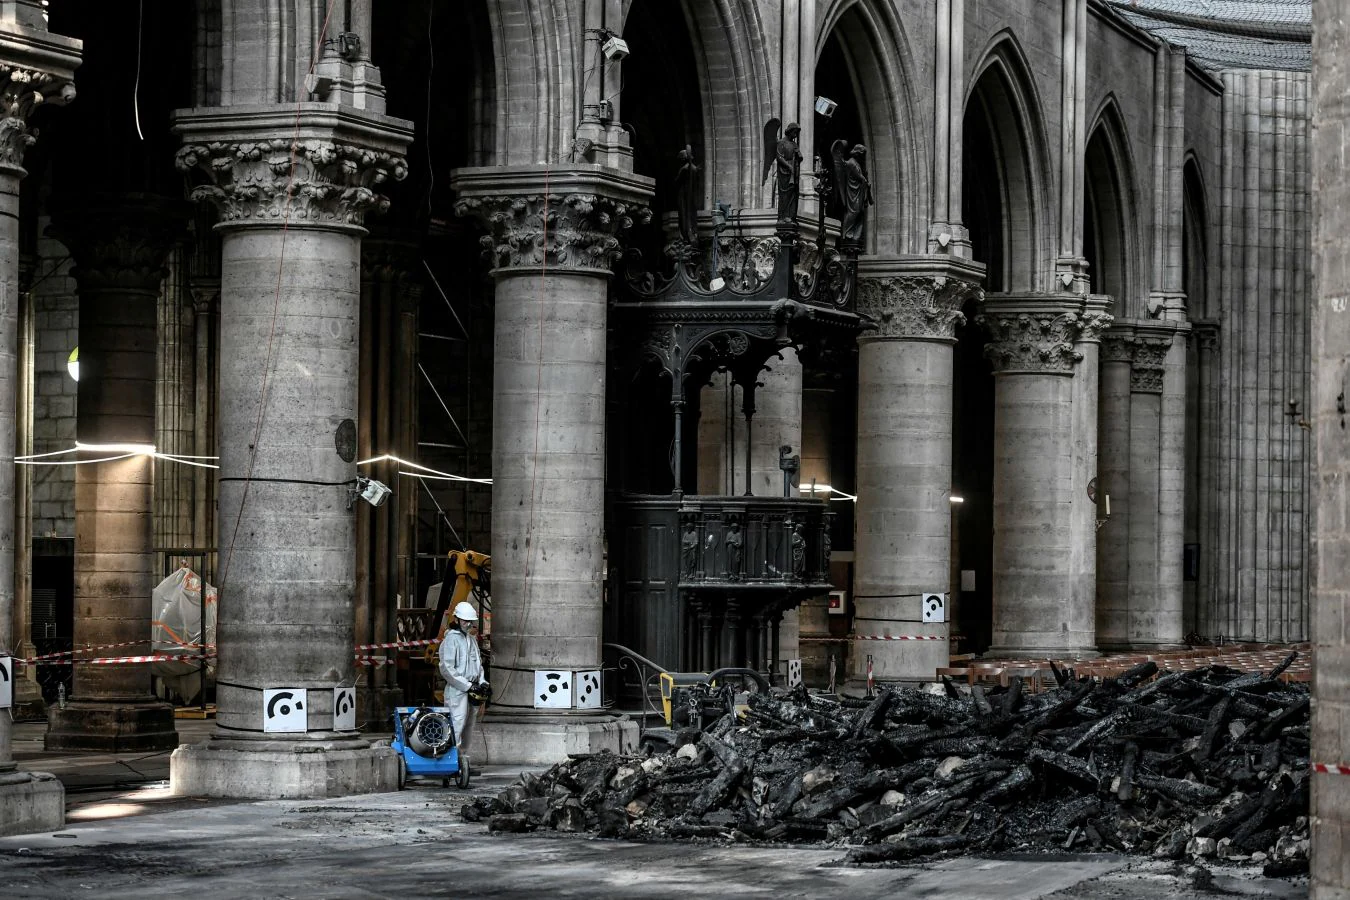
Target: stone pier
(1039,608)
(553,236)
(289,306)
(119,245)
(39,69)
(904,462)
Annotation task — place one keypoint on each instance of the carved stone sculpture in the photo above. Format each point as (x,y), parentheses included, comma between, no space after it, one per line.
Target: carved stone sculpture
(789,163)
(686,185)
(853,191)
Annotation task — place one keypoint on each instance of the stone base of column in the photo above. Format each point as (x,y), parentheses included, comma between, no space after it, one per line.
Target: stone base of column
(539,741)
(111,727)
(29,705)
(897,660)
(1154,647)
(31,802)
(282,770)
(379,705)
(1041,653)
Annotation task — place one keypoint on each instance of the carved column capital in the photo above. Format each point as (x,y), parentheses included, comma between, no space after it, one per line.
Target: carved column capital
(569,219)
(1118,342)
(1149,348)
(917,307)
(25,85)
(259,167)
(1031,334)
(205,295)
(1146,364)
(1095,319)
(120,243)
(1206,333)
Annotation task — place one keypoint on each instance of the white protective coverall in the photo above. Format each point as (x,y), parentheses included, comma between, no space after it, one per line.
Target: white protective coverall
(461,667)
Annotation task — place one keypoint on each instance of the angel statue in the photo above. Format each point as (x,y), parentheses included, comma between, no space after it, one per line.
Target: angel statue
(686,184)
(784,155)
(853,192)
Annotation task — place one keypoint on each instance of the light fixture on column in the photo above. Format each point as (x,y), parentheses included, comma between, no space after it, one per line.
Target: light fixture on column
(955,499)
(73,364)
(825,106)
(614,47)
(368,489)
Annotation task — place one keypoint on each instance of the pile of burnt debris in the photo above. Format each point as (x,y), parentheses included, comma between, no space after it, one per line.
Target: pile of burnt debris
(1210,763)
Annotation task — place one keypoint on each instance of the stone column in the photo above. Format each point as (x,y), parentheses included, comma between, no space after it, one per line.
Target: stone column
(1329,336)
(1155,613)
(1172,488)
(1113,480)
(904,475)
(119,245)
(291,215)
(1207,337)
(553,236)
(206,306)
(38,68)
(1092,322)
(1032,349)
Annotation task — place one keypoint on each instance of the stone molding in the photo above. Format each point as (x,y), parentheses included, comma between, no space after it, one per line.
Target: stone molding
(570,219)
(923,307)
(120,244)
(266,166)
(36,69)
(1036,334)
(1118,343)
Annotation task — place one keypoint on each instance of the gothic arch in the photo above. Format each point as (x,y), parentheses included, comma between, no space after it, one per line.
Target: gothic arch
(734,77)
(1002,110)
(876,49)
(1111,235)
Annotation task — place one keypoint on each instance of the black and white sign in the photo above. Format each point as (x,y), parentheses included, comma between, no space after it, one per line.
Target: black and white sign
(344,709)
(588,690)
(6,682)
(285,710)
(794,672)
(935,607)
(552,690)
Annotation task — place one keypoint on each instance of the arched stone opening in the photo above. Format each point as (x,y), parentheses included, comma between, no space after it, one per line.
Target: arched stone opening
(1109,230)
(863,63)
(1003,168)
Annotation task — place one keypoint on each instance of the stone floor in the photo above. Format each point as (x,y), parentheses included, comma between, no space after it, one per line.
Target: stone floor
(127,838)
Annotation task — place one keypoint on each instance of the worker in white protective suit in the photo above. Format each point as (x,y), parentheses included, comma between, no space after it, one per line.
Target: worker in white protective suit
(462,669)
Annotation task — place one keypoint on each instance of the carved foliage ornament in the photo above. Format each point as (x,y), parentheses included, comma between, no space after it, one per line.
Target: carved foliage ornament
(1031,342)
(1146,369)
(22,91)
(555,230)
(309,181)
(914,306)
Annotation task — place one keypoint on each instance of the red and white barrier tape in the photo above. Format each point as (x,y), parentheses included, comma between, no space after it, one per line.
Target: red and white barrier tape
(131,660)
(395,645)
(872,637)
(1331,768)
(375,661)
(45,657)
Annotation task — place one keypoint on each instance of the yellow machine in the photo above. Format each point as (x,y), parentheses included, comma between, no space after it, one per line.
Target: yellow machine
(472,573)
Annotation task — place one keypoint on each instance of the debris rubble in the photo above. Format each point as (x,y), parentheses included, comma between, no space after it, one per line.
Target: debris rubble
(1196,765)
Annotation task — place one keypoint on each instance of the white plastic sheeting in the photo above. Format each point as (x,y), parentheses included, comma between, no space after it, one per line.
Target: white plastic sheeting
(178,630)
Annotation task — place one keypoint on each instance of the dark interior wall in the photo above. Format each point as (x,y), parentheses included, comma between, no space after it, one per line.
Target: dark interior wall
(116,136)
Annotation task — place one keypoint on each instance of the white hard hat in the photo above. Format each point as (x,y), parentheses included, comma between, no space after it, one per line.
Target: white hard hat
(464,610)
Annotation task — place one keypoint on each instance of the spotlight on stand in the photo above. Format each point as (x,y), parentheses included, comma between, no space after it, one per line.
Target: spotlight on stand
(825,106)
(615,48)
(368,489)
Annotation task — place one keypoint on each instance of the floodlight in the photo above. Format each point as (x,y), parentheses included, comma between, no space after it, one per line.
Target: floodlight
(615,48)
